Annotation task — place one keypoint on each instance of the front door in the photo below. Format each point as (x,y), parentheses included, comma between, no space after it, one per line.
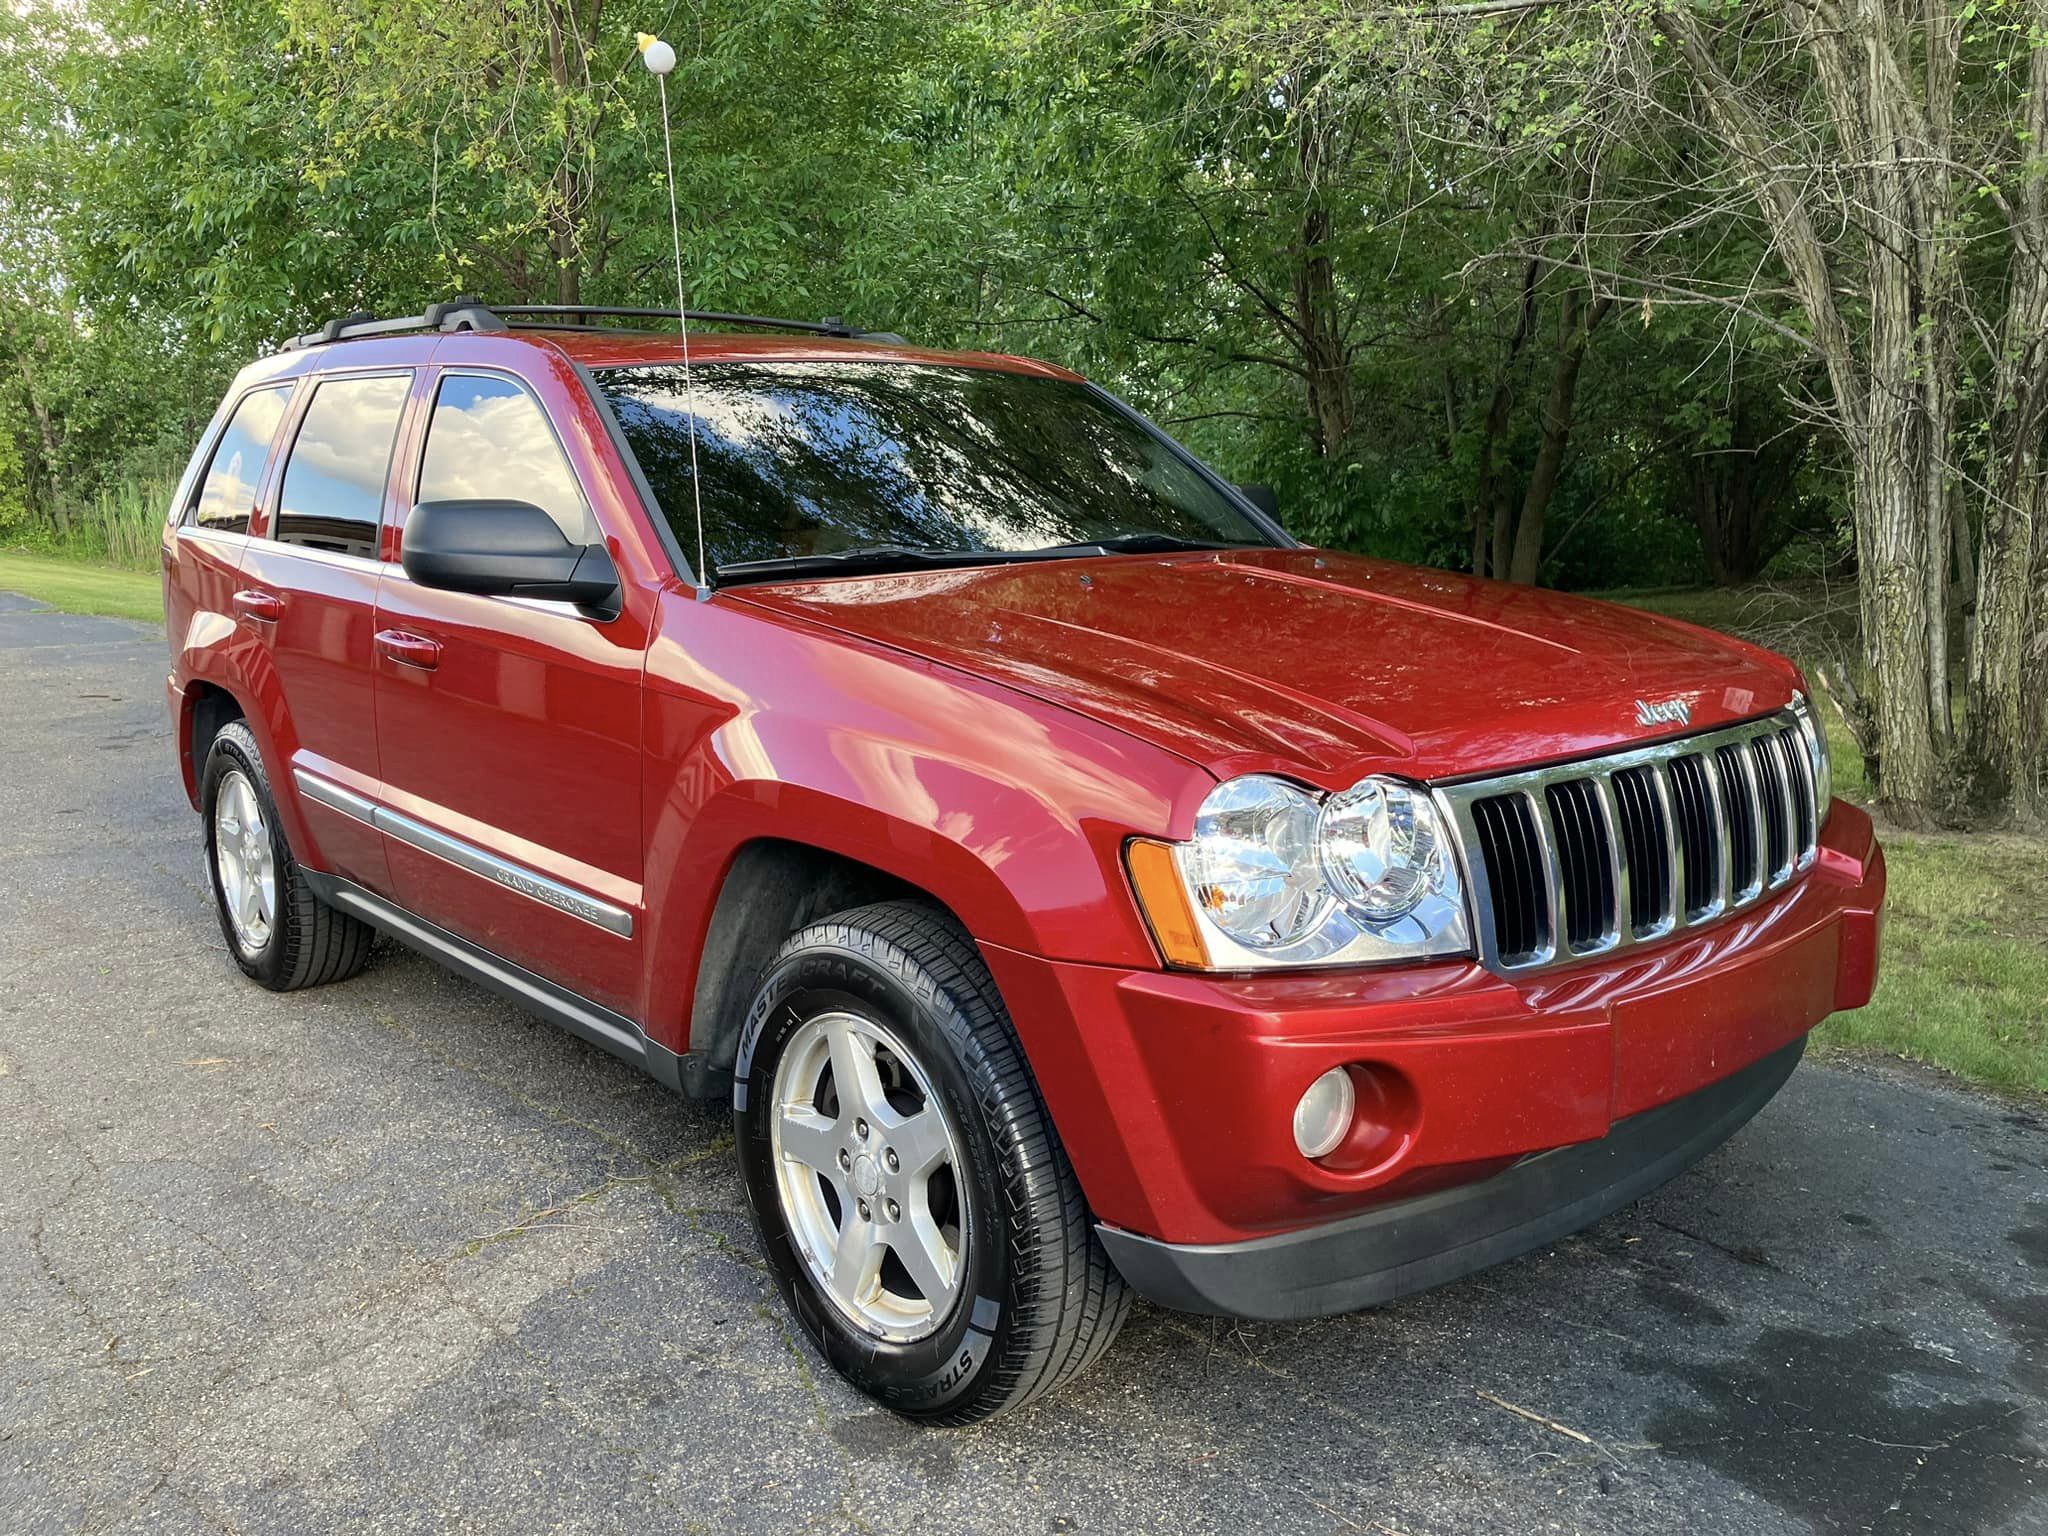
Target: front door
(309,587)
(509,728)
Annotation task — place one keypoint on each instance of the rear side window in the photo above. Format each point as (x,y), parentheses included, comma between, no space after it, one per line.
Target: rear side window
(490,441)
(227,491)
(333,495)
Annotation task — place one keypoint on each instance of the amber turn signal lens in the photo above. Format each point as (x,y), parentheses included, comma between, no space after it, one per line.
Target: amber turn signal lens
(1164,901)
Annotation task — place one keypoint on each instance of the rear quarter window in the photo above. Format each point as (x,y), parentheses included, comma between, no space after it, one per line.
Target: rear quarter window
(226,493)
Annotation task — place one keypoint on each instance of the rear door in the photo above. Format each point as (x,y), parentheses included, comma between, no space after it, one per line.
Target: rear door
(309,587)
(509,728)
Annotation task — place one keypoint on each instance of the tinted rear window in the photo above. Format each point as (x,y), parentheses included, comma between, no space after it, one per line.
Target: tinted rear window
(224,497)
(807,458)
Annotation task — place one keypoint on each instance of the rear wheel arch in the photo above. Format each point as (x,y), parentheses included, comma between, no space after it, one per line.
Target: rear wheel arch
(207,707)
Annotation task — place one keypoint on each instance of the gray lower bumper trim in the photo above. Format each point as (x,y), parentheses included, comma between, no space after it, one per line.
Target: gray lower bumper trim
(1408,1246)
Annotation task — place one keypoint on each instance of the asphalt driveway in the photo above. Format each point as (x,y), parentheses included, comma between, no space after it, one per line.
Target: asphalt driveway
(392,1256)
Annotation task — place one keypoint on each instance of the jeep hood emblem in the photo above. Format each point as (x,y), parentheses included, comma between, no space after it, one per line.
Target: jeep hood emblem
(1663,712)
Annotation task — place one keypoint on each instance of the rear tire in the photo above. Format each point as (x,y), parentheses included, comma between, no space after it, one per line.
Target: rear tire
(280,933)
(1020,1297)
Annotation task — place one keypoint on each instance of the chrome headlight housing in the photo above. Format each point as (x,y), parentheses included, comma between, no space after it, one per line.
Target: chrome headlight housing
(1278,876)
(1815,734)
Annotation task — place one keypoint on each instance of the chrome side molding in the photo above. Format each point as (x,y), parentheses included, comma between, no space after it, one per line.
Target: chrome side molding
(527,882)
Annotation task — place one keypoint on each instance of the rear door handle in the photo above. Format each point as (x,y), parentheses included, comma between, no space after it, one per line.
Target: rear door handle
(409,650)
(264,607)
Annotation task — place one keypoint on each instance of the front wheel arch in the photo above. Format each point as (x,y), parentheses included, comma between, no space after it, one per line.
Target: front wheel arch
(773,888)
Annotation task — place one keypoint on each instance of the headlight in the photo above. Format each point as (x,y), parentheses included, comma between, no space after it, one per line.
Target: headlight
(1380,850)
(1816,735)
(1251,867)
(1277,876)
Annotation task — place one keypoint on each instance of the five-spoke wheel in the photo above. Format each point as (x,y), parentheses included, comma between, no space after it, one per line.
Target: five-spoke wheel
(914,1202)
(243,856)
(278,928)
(868,1168)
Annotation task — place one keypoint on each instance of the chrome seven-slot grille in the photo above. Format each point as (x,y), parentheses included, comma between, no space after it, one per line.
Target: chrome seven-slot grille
(1594,856)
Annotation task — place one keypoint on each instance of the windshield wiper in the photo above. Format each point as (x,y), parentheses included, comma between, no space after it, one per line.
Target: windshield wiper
(872,558)
(864,558)
(1145,543)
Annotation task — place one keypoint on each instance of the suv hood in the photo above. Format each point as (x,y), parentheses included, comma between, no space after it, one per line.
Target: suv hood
(1327,666)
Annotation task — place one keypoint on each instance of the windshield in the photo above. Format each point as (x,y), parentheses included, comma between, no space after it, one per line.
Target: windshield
(823,467)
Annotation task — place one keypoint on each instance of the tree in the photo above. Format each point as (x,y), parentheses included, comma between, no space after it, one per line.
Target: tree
(1930,285)
(1887,156)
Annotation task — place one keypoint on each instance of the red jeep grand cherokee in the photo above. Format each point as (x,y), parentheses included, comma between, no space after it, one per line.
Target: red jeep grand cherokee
(1079,886)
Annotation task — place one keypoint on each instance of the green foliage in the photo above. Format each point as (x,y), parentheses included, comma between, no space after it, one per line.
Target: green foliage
(1964,982)
(1238,216)
(14,508)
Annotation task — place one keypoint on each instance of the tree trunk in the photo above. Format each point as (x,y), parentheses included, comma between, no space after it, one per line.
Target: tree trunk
(1736,492)
(1488,496)
(49,442)
(1324,356)
(1891,537)
(1576,324)
(46,435)
(1332,407)
(2007,661)
(1896,431)
(2006,717)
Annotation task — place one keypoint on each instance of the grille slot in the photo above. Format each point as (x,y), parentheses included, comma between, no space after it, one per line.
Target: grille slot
(1738,806)
(1515,880)
(1692,802)
(1645,849)
(1799,774)
(1770,784)
(1584,861)
(1597,855)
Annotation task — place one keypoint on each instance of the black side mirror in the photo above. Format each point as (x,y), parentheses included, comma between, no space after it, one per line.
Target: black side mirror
(1262,497)
(505,549)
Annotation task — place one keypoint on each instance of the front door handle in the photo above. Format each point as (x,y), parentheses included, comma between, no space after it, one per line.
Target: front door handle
(409,650)
(263,607)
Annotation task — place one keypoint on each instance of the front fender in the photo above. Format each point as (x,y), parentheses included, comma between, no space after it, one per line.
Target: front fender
(1010,811)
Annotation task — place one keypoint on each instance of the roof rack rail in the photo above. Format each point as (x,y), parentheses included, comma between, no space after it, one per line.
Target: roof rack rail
(467,313)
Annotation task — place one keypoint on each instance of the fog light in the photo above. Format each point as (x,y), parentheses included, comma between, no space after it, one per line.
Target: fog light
(1324,1114)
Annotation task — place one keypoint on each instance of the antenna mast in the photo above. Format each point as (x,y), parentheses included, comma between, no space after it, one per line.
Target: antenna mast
(660,58)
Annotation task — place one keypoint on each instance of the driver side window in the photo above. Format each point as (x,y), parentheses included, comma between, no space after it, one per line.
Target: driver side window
(489,440)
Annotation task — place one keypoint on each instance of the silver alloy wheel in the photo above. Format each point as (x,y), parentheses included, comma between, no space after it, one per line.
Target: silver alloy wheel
(246,862)
(870,1175)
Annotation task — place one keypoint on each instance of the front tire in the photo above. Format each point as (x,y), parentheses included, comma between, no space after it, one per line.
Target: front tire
(280,933)
(918,1212)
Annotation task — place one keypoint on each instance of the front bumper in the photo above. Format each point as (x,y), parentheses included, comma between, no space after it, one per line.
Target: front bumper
(1173,1092)
(1410,1245)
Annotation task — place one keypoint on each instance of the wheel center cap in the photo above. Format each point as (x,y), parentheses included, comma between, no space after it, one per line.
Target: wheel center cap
(867,1178)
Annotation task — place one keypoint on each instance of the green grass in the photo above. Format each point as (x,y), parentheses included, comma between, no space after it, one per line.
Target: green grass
(1963,979)
(1964,982)
(79,587)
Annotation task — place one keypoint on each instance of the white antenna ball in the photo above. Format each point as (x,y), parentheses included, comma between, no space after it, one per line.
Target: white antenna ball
(659,57)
